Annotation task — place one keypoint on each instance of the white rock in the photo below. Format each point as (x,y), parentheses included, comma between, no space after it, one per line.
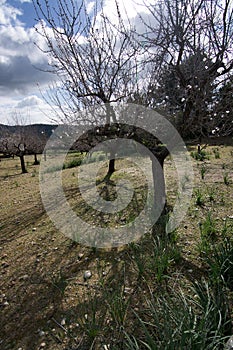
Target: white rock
(229,344)
(87,274)
(63,322)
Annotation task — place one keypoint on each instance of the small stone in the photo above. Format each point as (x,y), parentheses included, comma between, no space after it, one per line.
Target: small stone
(6,303)
(87,274)
(24,277)
(127,290)
(229,344)
(80,255)
(41,333)
(34,229)
(63,322)
(42,345)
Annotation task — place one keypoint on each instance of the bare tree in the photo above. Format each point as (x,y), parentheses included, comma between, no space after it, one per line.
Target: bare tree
(191,44)
(93,58)
(13,144)
(20,139)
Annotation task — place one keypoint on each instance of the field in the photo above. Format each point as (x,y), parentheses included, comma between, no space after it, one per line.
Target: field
(167,291)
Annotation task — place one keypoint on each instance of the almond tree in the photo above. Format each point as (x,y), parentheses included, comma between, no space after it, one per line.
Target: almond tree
(93,58)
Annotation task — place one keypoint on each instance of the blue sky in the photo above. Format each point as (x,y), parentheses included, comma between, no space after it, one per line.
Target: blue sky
(23,76)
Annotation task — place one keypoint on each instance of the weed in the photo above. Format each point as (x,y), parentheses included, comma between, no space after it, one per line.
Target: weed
(220,263)
(216,153)
(118,307)
(139,259)
(202,155)
(203,171)
(208,227)
(165,253)
(226,179)
(176,321)
(91,320)
(199,198)
(211,193)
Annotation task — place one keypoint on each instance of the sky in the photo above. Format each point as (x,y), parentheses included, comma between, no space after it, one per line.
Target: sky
(23,76)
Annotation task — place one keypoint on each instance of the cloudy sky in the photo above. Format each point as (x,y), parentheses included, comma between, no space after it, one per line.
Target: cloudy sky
(23,65)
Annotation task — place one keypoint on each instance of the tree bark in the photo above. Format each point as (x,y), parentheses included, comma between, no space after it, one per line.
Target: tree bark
(36,162)
(22,162)
(159,185)
(111,166)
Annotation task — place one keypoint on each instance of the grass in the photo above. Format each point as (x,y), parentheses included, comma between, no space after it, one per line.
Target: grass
(226,179)
(160,292)
(178,321)
(202,155)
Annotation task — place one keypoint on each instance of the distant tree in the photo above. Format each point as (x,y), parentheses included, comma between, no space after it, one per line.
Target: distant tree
(14,144)
(20,139)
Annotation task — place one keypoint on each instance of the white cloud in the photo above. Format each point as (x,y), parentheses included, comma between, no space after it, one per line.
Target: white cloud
(8,14)
(32,108)
(22,64)
(29,101)
(90,7)
(129,10)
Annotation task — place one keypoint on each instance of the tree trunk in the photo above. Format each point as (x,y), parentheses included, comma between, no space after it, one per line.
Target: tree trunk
(111,164)
(22,162)
(159,185)
(36,162)
(45,155)
(111,167)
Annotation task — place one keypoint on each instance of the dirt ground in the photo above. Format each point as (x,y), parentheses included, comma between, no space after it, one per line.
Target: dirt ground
(45,300)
